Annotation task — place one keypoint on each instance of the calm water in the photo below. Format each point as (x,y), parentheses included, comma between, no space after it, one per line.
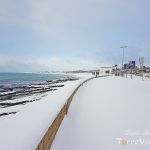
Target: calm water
(21,79)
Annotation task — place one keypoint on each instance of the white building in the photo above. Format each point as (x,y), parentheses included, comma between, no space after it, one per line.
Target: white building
(103,71)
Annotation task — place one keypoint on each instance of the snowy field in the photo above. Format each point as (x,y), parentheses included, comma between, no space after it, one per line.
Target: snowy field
(24,129)
(110,113)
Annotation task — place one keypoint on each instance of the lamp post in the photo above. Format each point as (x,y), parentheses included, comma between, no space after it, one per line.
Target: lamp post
(123,48)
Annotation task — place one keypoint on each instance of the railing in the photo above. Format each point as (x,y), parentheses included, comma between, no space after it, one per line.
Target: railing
(49,136)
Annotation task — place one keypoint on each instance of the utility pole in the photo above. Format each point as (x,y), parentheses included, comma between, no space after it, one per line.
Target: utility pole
(141,61)
(131,73)
(131,67)
(123,48)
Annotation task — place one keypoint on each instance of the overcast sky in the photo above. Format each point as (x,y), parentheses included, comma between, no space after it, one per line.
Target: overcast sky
(38,35)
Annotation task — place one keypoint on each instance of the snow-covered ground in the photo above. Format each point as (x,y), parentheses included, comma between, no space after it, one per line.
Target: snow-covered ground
(25,129)
(110,113)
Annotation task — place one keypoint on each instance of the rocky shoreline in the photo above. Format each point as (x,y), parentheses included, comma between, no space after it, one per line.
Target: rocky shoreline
(21,95)
(10,93)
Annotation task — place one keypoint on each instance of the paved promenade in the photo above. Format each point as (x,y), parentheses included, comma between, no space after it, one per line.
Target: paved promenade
(110,113)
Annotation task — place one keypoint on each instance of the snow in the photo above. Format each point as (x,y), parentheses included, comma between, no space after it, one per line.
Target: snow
(3,93)
(25,129)
(105,110)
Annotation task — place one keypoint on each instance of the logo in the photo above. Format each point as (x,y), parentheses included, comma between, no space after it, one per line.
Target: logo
(136,138)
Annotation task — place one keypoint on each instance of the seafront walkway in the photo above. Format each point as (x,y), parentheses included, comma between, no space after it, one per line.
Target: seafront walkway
(107,113)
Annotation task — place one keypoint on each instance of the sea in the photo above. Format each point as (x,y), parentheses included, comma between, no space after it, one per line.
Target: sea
(24,79)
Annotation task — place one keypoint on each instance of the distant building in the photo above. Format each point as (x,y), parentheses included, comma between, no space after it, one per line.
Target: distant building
(102,71)
(95,72)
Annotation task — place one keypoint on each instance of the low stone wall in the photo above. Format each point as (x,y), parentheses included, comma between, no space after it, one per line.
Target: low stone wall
(49,136)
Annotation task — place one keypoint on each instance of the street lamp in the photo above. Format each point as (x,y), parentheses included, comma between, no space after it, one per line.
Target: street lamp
(123,48)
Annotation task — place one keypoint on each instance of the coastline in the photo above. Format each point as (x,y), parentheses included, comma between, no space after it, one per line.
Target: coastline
(37,116)
(13,86)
